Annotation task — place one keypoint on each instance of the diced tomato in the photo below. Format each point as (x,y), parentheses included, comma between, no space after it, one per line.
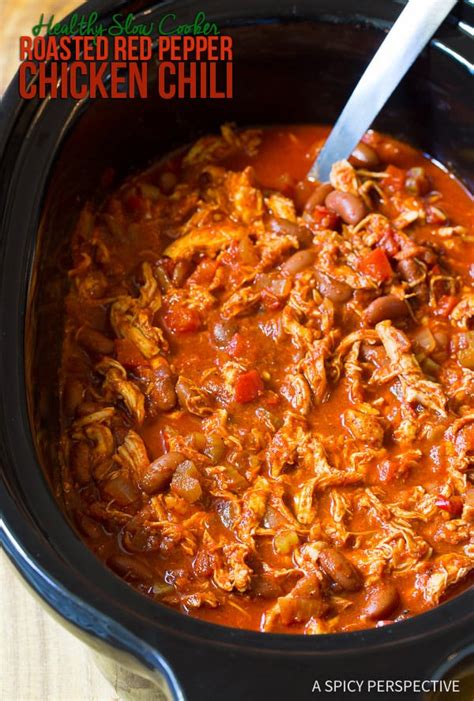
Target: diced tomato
(453,505)
(204,273)
(324,218)
(181,319)
(128,354)
(248,387)
(396,179)
(376,265)
(445,305)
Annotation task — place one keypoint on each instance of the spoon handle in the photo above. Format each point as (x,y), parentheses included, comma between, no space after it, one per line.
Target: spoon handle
(409,35)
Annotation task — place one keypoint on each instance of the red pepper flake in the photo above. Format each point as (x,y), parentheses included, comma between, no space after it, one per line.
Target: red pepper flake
(181,319)
(376,265)
(248,387)
(453,505)
(445,305)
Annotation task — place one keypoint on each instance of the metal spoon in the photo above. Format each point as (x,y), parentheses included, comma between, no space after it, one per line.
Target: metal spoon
(409,35)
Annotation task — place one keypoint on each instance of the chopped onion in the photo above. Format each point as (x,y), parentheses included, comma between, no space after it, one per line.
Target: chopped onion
(466,352)
(425,340)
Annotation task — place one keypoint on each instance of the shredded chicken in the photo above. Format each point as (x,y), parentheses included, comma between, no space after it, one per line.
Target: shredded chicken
(267,385)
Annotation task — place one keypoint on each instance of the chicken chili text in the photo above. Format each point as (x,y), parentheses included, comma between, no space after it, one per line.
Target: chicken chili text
(267,384)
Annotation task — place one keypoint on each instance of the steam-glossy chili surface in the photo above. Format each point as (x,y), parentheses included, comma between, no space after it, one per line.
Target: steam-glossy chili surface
(267,384)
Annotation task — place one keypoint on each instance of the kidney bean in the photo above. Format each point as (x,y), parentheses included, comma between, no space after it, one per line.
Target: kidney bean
(181,272)
(387,307)
(335,290)
(298,262)
(350,208)
(410,270)
(192,398)
(428,256)
(382,599)
(90,527)
(413,272)
(289,228)
(162,277)
(158,475)
(223,330)
(95,341)
(340,570)
(139,541)
(363,156)
(130,567)
(318,196)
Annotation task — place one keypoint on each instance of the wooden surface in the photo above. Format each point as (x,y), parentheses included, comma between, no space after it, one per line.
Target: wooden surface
(39,660)
(17,17)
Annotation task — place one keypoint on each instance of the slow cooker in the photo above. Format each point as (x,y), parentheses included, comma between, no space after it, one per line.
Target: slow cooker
(293,62)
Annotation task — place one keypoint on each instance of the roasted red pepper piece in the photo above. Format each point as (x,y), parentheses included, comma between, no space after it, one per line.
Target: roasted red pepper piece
(181,319)
(248,387)
(324,218)
(376,265)
(204,273)
(128,354)
(445,305)
(453,505)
